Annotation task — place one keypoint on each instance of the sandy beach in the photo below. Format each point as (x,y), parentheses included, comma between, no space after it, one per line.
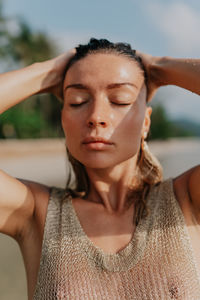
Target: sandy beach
(45,161)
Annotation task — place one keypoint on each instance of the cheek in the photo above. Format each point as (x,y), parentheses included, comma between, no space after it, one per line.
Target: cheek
(131,125)
(70,124)
(71,130)
(131,132)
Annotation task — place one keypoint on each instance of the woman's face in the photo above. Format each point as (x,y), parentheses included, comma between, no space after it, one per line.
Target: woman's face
(104,114)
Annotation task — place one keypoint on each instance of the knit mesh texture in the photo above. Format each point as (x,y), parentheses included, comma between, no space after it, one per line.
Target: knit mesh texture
(157,264)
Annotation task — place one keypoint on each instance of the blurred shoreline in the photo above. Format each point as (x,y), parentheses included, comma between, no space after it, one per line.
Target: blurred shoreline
(45,161)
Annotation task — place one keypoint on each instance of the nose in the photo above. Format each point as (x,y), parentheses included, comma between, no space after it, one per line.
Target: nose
(98,115)
(95,124)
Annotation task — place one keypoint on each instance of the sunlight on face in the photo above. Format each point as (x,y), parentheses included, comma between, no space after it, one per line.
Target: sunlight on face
(104,109)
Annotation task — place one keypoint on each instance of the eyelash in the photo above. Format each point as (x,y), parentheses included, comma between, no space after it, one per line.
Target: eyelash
(121,103)
(75,105)
(79,104)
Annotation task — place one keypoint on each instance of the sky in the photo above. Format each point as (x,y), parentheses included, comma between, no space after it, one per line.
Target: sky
(157,27)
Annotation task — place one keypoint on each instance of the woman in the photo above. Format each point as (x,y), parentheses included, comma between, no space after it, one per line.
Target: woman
(120,232)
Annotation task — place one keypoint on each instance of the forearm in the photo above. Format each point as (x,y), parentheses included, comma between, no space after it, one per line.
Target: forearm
(15,86)
(181,72)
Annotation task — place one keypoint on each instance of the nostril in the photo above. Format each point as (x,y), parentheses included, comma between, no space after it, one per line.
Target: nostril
(101,123)
(90,124)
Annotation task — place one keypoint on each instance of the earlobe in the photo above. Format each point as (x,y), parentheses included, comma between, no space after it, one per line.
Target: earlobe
(147,122)
(148,115)
(149,110)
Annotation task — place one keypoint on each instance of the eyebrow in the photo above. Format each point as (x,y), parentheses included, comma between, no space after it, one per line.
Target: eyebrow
(109,86)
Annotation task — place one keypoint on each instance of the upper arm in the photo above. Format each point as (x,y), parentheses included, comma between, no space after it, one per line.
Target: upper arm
(194,189)
(186,189)
(17,204)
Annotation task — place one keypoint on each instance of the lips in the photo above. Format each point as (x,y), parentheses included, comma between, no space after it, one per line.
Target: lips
(97,144)
(96,140)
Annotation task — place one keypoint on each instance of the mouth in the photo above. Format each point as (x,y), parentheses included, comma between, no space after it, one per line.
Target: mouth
(96,140)
(97,143)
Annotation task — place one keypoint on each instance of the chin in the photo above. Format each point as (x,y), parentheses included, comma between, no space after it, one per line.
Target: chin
(103,162)
(97,163)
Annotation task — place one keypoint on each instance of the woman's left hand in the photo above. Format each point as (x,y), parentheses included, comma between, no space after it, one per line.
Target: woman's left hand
(153,80)
(161,71)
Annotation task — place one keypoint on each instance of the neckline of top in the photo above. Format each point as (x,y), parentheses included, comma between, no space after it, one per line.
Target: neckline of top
(124,259)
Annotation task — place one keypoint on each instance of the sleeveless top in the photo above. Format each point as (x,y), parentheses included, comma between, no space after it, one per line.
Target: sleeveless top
(157,264)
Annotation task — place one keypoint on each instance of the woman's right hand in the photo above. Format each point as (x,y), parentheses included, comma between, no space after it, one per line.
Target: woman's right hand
(53,83)
(47,76)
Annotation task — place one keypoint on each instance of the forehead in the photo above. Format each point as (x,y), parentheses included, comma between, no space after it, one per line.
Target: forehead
(102,69)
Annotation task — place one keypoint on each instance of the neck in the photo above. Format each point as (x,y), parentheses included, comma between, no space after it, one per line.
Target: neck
(110,186)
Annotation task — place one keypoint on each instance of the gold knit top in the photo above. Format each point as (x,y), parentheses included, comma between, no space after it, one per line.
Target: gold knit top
(157,264)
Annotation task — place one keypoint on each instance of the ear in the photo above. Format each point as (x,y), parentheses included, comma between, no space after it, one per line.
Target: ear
(147,122)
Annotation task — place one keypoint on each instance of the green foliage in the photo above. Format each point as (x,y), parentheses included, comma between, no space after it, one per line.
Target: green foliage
(18,123)
(160,124)
(25,46)
(29,122)
(29,46)
(163,128)
(38,116)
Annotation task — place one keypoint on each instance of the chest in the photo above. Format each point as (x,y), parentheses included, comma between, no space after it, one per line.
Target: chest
(109,232)
(175,272)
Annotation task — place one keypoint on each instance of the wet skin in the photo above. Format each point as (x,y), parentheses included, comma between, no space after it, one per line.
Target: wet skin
(105,96)
(99,103)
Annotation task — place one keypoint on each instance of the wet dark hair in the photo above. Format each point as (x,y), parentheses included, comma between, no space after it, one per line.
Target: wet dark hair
(105,46)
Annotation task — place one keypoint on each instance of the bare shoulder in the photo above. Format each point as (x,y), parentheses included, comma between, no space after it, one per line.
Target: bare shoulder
(187,191)
(20,201)
(194,188)
(41,194)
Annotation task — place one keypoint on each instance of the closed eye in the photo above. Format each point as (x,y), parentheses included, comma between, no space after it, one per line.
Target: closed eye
(76,104)
(115,103)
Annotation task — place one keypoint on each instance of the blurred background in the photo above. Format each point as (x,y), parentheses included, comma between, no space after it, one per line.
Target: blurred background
(31,139)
